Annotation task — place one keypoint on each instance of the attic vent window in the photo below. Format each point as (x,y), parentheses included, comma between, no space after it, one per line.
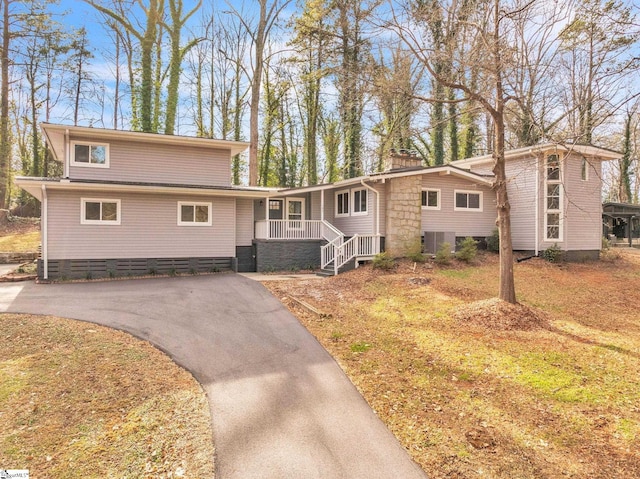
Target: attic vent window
(90,154)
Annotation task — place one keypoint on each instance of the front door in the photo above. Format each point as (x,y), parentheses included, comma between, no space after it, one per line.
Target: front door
(276,208)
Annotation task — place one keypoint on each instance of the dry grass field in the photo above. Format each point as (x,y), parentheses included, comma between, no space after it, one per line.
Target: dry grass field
(472,389)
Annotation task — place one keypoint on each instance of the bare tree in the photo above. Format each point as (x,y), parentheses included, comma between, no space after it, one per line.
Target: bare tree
(269,12)
(484,35)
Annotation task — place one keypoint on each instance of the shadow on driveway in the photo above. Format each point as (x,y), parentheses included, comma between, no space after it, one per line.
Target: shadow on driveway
(281,407)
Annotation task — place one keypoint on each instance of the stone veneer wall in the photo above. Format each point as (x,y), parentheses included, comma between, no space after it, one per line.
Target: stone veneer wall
(403,215)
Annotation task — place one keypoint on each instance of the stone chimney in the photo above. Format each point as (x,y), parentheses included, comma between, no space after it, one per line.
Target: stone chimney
(401,159)
(404,212)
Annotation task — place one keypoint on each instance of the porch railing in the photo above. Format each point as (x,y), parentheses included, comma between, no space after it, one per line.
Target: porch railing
(357,246)
(289,229)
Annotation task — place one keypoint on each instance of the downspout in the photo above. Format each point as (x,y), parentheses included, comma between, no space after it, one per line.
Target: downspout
(537,212)
(45,234)
(67,154)
(377,205)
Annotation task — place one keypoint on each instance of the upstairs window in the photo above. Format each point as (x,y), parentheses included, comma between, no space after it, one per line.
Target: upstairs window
(360,202)
(431,199)
(342,203)
(100,212)
(468,201)
(553,199)
(90,154)
(584,170)
(553,168)
(194,214)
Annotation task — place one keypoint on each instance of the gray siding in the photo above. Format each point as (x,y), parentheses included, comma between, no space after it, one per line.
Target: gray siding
(244,221)
(582,212)
(152,163)
(462,223)
(350,225)
(521,187)
(583,206)
(148,228)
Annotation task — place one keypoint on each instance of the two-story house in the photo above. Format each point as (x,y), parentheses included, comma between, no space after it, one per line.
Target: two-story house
(141,203)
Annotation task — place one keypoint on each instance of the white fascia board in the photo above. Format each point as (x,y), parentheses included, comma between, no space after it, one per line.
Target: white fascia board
(32,185)
(52,131)
(587,150)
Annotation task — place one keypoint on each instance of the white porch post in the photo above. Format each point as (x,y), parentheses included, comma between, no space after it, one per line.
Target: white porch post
(321,205)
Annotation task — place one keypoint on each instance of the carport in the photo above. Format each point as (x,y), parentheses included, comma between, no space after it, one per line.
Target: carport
(621,221)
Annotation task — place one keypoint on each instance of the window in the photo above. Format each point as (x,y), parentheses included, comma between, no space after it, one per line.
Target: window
(194,214)
(584,170)
(468,200)
(90,154)
(431,199)
(553,167)
(360,202)
(553,199)
(342,203)
(99,212)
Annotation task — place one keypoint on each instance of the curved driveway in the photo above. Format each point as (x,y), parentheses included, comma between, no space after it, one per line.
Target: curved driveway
(281,407)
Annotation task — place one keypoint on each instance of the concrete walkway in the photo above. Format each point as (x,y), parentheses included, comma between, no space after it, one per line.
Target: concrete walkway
(281,407)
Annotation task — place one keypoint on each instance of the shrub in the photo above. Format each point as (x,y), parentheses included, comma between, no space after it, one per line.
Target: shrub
(468,250)
(415,253)
(493,241)
(383,261)
(443,255)
(553,254)
(606,244)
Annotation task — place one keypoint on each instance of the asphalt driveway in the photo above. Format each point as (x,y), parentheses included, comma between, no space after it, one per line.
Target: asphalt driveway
(281,407)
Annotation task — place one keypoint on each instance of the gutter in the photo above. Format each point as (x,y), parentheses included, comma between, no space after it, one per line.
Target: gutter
(377,205)
(45,236)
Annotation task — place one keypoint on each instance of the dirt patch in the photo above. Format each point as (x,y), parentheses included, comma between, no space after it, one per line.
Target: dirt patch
(17,225)
(497,314)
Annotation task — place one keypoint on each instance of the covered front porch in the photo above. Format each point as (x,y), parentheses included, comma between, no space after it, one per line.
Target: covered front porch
(284,222)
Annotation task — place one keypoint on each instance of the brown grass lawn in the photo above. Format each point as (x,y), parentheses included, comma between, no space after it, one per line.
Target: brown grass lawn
(81,401)
(556,398)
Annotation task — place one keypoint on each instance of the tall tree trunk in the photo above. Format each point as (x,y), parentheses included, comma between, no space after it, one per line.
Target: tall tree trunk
(507,290)
(256,81)
(5,141)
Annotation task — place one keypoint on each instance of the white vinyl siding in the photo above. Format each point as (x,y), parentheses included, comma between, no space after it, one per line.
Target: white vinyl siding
(147,162)
(148,229)
(244,221)
(583,205)
(354,224)
(522,175)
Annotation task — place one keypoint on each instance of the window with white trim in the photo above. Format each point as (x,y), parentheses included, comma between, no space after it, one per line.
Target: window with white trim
(553,199)
(90,154)
(194,214)
(468,200)
(98,211)
(430,199)
(342,203)
(359,202)
(584,170)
